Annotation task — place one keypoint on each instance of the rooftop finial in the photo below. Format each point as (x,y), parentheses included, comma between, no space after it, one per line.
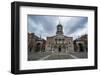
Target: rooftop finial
(59,20)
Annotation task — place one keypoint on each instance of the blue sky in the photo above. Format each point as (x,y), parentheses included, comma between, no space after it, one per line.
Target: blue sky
(44,26)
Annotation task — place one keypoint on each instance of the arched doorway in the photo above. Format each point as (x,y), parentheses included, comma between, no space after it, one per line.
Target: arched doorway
(81,48)
(59,49)
(38,47)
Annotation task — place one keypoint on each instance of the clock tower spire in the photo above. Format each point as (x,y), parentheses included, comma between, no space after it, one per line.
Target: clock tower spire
(59,29)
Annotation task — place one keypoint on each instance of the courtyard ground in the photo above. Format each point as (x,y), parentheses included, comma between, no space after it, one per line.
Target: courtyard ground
(55,56)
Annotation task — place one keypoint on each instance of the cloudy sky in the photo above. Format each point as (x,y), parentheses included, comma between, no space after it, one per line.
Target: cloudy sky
(44,26)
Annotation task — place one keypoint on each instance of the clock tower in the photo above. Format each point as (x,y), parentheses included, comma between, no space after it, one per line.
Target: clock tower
(59,29)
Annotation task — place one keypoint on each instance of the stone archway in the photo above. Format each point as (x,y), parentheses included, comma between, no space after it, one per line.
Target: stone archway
(38,47)
(81,48)
(59,49)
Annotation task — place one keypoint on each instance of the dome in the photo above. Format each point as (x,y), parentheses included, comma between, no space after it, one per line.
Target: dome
(59,25)
(59,29)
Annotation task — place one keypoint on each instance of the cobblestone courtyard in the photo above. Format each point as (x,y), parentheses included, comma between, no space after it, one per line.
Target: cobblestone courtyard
(55,56)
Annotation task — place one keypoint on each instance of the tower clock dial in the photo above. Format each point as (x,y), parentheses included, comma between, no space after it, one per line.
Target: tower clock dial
(59,29)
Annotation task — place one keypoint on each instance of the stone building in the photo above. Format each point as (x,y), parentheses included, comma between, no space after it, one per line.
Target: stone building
(81,44)
(59,42)
(35,43)
(31,41)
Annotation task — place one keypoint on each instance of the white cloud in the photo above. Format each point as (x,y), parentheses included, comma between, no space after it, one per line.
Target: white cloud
(46,25)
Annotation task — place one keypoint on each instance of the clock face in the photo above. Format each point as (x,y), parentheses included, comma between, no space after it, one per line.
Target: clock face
(59,28)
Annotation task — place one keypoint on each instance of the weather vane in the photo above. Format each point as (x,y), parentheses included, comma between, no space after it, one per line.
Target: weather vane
(59,19)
